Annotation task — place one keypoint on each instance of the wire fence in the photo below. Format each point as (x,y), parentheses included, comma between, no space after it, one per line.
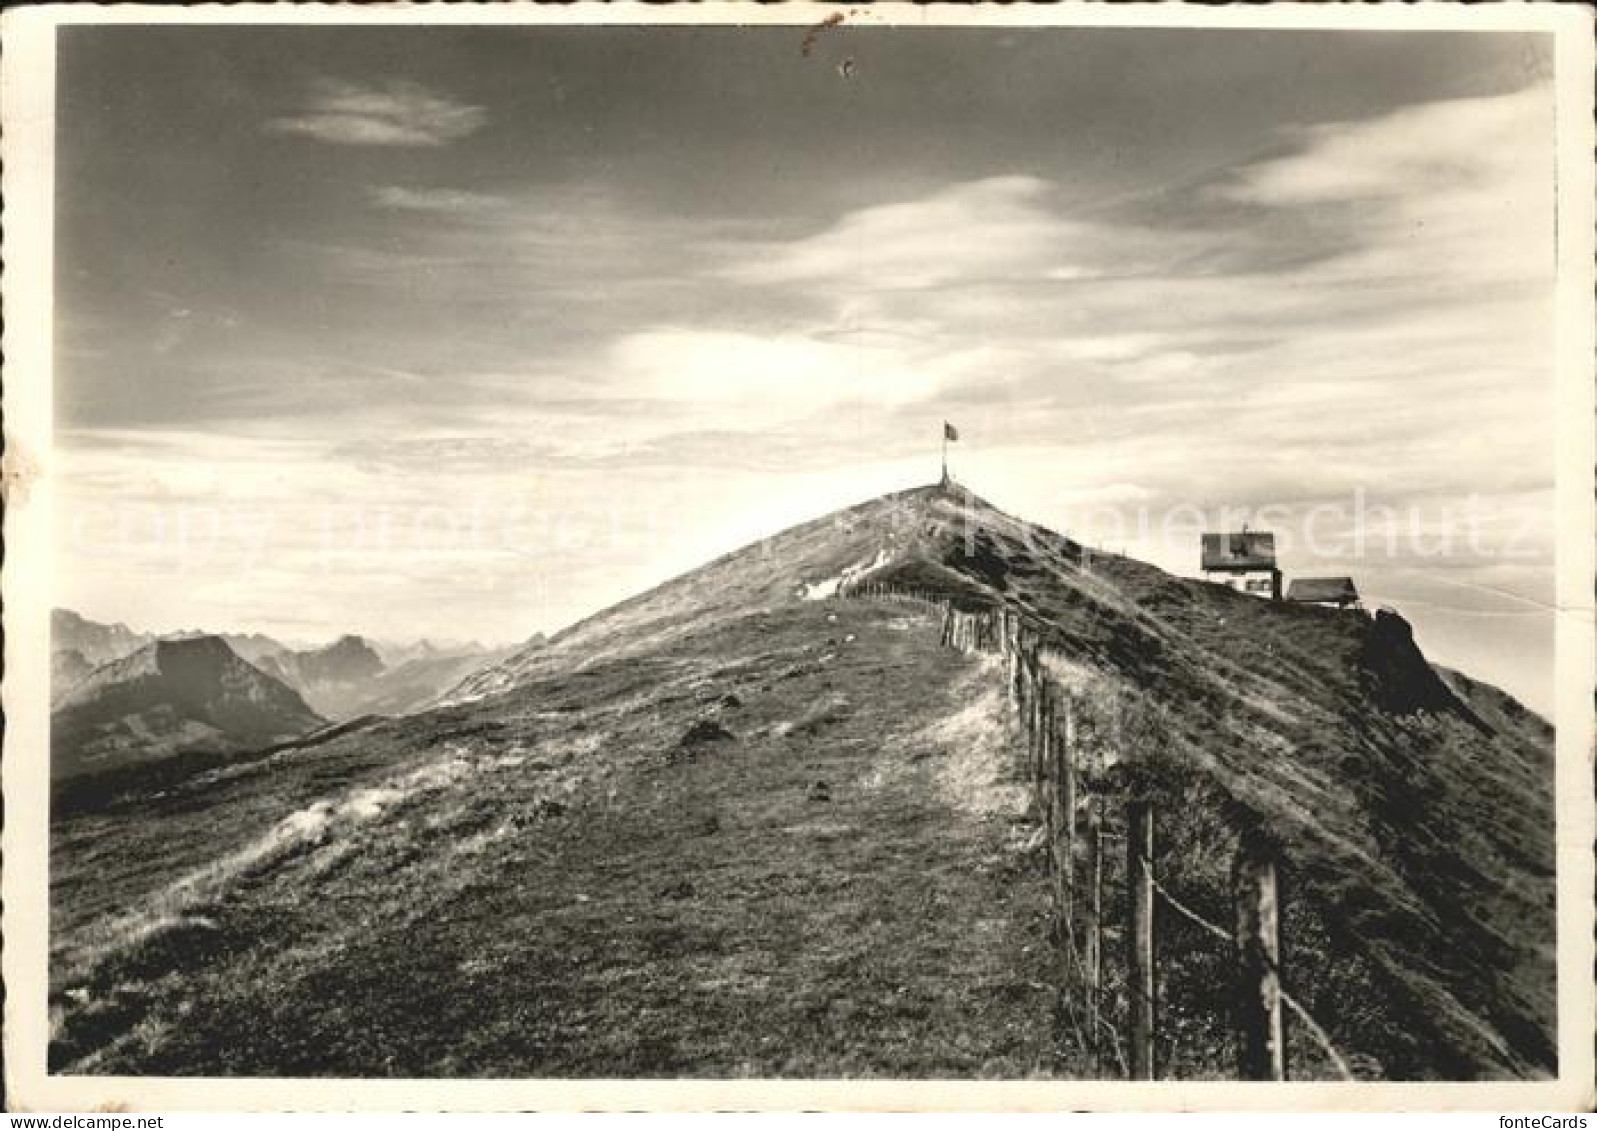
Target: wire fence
(1103,871)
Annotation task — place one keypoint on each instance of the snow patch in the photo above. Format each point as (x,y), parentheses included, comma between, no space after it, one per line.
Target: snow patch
(820,590)
(828,587)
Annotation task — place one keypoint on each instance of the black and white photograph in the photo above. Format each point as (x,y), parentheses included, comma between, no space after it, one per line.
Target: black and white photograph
(798,544)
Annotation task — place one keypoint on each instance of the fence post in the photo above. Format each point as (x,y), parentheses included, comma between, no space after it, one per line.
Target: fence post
(1011,691)
(1045,747)
(1045,710)
(1139,873)
(1065,775)
(1061,842)
(1020,684)
(1261,1043)
(1038,690)
(1094,959)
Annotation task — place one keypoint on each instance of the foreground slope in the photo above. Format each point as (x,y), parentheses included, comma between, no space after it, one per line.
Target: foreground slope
(787,846)
(738,825)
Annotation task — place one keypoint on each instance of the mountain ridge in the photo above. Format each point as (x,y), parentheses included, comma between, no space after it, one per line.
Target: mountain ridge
(344,678)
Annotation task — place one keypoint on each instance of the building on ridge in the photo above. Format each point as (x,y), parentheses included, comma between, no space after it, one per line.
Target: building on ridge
(1244,560)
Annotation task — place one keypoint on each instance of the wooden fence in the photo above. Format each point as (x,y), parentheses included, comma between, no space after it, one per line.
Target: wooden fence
(1080,831)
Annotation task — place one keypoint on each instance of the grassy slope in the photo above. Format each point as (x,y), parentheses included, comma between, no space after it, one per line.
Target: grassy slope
(885,931)
(611,903)
(1417,829)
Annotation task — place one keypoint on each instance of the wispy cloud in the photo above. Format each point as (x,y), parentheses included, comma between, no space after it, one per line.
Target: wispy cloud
(1363,308)
(452,201)
(1011,227)
(396,114)
(1409,311)
(1412,150)
(1422,188)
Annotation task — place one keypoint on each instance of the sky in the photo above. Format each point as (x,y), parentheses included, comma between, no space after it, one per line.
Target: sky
(469,332)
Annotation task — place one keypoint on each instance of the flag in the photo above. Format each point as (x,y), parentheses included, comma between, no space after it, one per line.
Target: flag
(949,431)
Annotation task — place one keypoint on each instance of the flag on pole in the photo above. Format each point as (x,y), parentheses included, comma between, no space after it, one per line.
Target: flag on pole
(950,432)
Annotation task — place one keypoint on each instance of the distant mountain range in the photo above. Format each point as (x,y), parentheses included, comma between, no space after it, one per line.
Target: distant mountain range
(94,643)
(171,697)
(396,653)
(251,646)
(422,680)
(124,697)
(333,679)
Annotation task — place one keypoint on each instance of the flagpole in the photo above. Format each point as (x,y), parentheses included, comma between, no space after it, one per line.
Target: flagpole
(945,451)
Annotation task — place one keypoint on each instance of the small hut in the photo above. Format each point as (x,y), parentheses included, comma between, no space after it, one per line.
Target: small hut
(1337,592)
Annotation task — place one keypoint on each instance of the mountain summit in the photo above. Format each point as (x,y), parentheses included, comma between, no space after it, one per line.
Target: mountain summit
(916,535)
(764,808)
